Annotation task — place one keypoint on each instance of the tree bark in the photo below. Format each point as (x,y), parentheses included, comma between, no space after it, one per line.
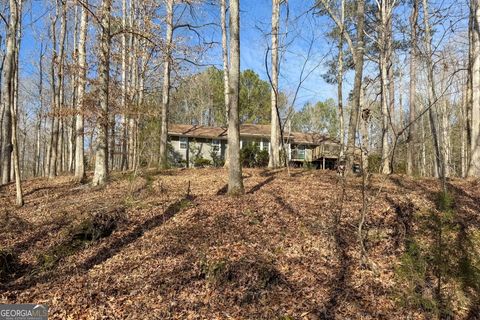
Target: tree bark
(340,81)
(474,164)
(10,97)
(166,86)
(274,159)
(383,43)
(101,150)
(82,77)
(124,134)
(8,74)
(357,85)
(38,126)
(235,180)
(223,21)
(432,97)
(412,135)
(133,112)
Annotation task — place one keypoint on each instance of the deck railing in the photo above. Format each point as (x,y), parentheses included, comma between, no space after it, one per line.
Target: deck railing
(325,151)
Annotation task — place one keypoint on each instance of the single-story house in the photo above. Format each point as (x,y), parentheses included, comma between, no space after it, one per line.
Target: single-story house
(202,141)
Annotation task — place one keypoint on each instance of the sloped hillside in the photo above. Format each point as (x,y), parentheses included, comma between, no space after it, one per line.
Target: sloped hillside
(172,245)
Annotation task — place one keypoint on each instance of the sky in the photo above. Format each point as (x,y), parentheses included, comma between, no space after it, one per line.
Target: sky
(301,28)
(255,25)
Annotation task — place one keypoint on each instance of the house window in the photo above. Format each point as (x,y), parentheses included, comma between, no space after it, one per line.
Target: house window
(216,145)
(301,152)
(266,145)
(298,152)
(183,143)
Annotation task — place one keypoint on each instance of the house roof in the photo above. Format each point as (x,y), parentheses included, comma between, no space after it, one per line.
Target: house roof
(249,130)
(310,138)
(197,131)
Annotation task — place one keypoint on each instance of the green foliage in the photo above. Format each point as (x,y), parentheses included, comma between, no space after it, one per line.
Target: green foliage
(321,117)
(196,157)
(200,162)
(200,99)
(262,158)
(440,268)
(445,201)
(217,160)
(252,157)
(255,98)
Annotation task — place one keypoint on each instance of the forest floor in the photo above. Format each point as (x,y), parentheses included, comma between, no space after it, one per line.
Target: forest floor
(172,245)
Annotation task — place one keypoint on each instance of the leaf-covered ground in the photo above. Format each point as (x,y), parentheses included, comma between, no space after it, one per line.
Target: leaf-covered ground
(181,249)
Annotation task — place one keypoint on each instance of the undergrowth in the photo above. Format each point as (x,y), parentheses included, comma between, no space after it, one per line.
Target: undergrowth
(439,272)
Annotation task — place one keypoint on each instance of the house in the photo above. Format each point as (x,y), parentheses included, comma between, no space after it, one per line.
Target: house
(189,141)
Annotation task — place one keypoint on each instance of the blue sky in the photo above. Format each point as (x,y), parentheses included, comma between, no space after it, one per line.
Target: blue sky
(302,28)
(255,28)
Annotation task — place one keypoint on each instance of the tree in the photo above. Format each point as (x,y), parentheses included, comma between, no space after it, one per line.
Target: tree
(57,90)
(101,150)
(235,180)
(432,96)
(274,160)
(79,122)
(385,10)
(412,88)
(7,87)
(318,118)
(474,165)
(357,84)
(166,85)
(10,94)
(223,22)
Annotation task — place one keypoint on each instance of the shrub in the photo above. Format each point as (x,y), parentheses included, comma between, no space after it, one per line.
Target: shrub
(248,155)
(374,163)
(8,263)
(217,160)
(251,156)
(200,162)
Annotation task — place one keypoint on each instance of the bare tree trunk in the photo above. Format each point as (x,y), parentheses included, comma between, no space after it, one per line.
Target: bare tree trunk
(274,159)
(357,85)
(7,125)
(57,93)
(383,44)
(463,137)
(412,87)
(124,134)
(235,180)
(38,125)
(74,86)
(340,81)
(166,86)
(432,97)
(132,151)
(82,77)
(223,21)
(364,132)
(61,86)
(11,87)
(444,132)
(424,149)
(101,150)
(474,164)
